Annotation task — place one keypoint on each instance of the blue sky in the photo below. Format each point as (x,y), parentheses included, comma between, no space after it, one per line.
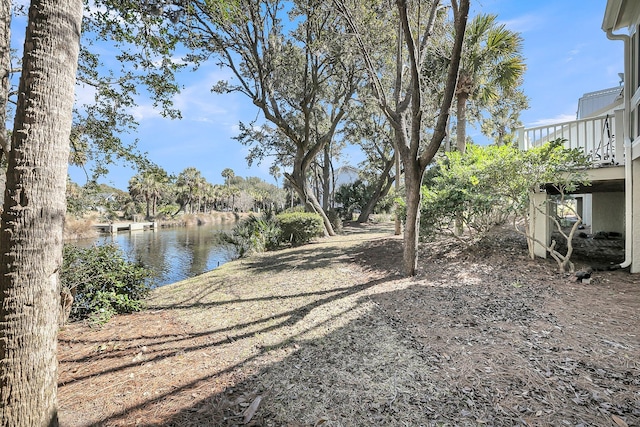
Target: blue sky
(567,55)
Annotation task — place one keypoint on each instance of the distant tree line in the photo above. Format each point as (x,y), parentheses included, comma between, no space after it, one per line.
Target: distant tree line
(154,194)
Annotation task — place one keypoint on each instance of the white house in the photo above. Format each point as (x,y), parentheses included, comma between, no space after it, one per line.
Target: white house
(607,129)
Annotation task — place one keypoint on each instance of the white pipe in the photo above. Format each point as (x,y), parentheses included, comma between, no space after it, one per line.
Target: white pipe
(628,201)
(628,162)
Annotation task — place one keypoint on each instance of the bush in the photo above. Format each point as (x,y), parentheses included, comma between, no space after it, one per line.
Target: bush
(266,234)
(253,235)
(102,282)
(462,191)
(300,227)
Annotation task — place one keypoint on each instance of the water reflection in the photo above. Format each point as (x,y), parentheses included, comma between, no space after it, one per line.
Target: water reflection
(175,253)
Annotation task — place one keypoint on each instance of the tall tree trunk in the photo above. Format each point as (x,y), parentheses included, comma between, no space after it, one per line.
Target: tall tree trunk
(461,129)
(413,181)
(33,217)
(298,180)
(147,200)
(5,70)
(461,146)
(501,133)
(415,156)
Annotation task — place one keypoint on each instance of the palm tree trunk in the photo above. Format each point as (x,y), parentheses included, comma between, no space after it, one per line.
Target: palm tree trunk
(461,130)
(147,200)
(33,217)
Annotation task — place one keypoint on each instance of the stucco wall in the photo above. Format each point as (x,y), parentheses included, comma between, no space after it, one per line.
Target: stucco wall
(607,212)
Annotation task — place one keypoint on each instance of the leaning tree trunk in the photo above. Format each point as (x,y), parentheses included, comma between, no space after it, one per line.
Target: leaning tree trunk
(33,217)
(326,178)
(298,181)
(383,185)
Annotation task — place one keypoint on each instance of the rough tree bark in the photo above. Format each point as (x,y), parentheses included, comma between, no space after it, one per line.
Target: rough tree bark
(326,177)
(463,91)
(33,217)
(298,180)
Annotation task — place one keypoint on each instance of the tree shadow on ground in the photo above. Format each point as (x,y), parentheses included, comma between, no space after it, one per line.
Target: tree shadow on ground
(122,356)
(307,259)
(431,355)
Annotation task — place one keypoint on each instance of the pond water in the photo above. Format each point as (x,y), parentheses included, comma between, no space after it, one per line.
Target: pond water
(173,254)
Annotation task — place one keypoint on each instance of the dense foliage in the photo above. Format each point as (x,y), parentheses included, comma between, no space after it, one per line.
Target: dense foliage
(299,228)
(103,282)
(466,188)
(253,235)
(354,197)
(269,233)
(486,185)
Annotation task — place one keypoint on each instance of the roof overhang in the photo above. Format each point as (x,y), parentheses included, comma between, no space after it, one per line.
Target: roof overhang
(620,14)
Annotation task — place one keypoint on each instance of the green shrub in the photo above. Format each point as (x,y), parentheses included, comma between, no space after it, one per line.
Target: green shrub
(299,228)
(295,209)
(103,282)
(254,235)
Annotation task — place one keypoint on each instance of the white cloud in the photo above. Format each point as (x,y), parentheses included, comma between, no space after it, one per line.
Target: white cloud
(198,103)
(575,52)
(85,94)
(553,120)
(143,112)
(523,23)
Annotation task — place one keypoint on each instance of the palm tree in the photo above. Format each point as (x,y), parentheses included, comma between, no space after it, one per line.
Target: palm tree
(491,62)
(188,184)
(208,197)
(228,175)
(150,186)
(34,210)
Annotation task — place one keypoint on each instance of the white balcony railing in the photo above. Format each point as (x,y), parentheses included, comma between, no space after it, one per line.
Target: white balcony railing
(595,136)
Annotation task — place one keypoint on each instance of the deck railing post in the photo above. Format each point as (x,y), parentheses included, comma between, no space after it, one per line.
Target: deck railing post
(520,134)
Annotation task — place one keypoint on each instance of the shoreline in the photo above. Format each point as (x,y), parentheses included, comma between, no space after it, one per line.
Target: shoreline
(83,228)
